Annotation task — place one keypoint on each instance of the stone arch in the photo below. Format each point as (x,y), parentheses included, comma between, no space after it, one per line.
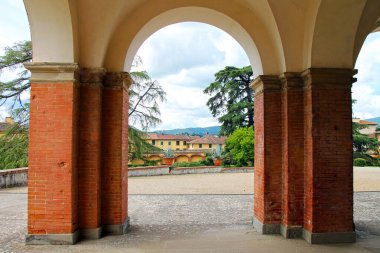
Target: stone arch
(58,19)
(258,36)
(182,158)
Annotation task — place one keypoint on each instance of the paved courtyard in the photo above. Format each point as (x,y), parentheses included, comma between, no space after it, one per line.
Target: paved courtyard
(195,213)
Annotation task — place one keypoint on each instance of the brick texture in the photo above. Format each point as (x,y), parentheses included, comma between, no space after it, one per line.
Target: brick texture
(268,147)
(328,150)
(89,160)
(52,186)
(115,148)
(292,150)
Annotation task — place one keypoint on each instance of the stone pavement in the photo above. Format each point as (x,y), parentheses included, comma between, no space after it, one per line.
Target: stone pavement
(189,223)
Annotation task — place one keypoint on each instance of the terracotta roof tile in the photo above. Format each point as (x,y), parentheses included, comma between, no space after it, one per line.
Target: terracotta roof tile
(365,122)
(209,139)
(154,136)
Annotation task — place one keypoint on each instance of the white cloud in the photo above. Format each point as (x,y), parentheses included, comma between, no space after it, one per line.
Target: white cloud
(367,89)
(184,58)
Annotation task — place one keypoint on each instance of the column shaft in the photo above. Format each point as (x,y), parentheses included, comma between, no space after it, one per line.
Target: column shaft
(89,160)
(328,213)
(268,147)
(115,153)
(52,182)
(292,155)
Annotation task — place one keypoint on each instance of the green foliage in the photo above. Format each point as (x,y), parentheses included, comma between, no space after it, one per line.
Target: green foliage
(369,160)
(240,147)
(207,162)
(137,146)
(231,98)
(12,60)
(362,143)
(360,162)
(14,143)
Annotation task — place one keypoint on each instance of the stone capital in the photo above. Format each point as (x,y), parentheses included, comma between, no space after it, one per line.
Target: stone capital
(52,72)
(117,80)
(291,81)
(329,78)
(266,83)
(92,76)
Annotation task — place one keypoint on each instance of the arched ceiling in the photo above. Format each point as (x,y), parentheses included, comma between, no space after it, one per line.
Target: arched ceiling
(278,36)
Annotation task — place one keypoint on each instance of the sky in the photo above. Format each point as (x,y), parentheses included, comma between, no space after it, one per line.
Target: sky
(197,51)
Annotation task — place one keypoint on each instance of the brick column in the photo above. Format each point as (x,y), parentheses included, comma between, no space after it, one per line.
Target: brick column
(292,155)
(268,146)
(115,153)
(328,214)
(52,177)
(89,169)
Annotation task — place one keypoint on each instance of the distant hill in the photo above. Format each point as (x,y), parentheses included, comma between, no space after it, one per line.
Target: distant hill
(213,130)
(376,120)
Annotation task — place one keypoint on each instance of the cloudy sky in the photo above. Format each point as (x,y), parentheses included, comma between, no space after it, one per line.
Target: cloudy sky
(197,51)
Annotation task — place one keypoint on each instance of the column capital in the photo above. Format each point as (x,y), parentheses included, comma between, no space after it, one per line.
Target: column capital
(329,78)
(92,76)
(291,81)
(266,83)
(117,80)
(43,72)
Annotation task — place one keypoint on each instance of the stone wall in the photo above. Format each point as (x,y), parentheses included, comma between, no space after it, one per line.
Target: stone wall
(12,178)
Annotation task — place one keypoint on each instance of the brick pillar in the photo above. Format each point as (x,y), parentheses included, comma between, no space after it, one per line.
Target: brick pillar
(52,182)
(115,153)
(328,156)
(89,163)
(292,155)
(268,147)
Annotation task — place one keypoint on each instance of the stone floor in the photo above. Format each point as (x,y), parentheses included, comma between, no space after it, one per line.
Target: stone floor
(189,223)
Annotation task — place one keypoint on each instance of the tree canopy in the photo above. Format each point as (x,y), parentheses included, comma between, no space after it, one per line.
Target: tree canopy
(240,147)
(231,98)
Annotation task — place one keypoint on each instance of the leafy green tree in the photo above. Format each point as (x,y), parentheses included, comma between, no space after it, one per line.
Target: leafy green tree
(232,98)
(361,142)
(240,147)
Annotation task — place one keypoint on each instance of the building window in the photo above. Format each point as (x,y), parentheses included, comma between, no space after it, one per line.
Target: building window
(162,143)
(170,143)
(209,145)
(192,145)
(153,142)
(177,143)
(184,143)
(200,145)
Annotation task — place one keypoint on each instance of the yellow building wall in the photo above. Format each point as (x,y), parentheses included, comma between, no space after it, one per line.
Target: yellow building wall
(181,159)
(205,146)
(165,144)
(196,158)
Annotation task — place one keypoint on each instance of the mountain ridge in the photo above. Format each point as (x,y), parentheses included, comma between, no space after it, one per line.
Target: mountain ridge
(212,130)
(376,120)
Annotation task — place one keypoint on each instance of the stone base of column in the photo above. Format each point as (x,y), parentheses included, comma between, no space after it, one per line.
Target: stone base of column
(291,231)
(52,239)
(91,233)
(333,237)
(117,229)
(265,229)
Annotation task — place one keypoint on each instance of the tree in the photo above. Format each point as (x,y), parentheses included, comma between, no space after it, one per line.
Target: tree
(232,98)
(143,107)
(361,142)
(240,147)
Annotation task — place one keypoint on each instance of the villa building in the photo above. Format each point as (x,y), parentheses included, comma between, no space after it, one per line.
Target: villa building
(369,128)
(208,142)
